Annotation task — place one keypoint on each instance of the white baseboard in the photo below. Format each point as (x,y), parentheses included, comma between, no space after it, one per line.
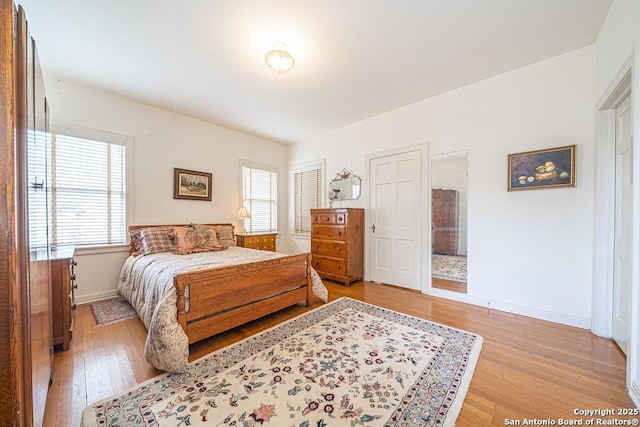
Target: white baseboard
(85,299)
(565,319)
(634,393)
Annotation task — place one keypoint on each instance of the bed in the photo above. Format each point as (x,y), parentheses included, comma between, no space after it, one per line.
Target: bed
(185,298)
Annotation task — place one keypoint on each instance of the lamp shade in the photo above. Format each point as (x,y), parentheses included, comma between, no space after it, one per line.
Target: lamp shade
(243,213)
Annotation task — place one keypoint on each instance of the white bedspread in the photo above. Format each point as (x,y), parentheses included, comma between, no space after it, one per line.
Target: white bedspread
(147,283)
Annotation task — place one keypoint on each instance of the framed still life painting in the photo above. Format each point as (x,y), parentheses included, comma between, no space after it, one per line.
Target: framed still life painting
(191,185)
(549,168)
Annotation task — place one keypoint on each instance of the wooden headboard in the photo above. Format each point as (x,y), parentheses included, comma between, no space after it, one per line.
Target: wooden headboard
(133,228)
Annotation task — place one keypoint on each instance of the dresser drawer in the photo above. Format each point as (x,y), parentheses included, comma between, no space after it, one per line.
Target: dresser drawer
(252,242)
(264,242)
(330,248)
(328,218)
(268,244)
(335,266)
(331,232)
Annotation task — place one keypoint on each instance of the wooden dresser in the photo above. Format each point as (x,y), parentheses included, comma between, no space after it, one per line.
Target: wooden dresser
(63,286)
(337,243)
(262,241)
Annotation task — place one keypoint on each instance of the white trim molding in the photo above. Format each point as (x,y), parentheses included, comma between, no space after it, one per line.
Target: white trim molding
(626,81)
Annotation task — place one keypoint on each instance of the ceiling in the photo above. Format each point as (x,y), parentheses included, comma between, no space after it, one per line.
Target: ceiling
(354,58)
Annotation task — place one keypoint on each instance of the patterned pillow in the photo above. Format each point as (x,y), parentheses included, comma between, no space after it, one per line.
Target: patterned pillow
(224,233)
(136,243)
(154,240)
(188,240)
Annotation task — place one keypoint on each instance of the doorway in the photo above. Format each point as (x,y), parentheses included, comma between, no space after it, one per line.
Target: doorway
(616,161)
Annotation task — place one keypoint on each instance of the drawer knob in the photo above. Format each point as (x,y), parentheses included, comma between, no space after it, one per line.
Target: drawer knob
(315,262)
(339,233)
(340,219)
(75,286)
(315,231)
(338,249)
(326,218)
(337,266)
(73,277)
(316,246)
(74,262)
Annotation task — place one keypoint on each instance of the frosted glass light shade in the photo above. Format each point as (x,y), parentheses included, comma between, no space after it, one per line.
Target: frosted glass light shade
(279,59)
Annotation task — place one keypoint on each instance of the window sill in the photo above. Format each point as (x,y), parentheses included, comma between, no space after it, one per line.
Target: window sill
(301,236)
(101,249)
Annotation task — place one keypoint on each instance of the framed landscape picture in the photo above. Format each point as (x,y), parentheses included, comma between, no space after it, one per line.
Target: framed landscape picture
(191,185)
(549,168)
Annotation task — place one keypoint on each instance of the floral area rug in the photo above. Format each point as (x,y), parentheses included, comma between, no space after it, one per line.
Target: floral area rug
(111,311)
(449,267)
(345,363)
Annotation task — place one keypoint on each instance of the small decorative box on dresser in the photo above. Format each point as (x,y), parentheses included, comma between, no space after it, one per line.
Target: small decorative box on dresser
(337,243)
(63,286)
(262,241)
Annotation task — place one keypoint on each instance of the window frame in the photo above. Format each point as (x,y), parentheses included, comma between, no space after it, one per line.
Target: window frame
(111,138)
(262,166)
(319,164)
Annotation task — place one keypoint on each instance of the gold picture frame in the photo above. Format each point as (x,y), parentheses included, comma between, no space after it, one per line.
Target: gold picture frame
(548,168)
(191,185)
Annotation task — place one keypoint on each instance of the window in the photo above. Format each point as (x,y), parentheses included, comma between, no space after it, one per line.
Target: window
(307,184)
(260,197)
(88,190)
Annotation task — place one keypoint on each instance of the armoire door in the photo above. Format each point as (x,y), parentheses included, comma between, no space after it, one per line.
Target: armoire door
(25,310)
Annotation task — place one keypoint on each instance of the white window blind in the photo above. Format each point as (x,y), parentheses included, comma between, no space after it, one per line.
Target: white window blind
(38,196)
(307,188)
(88,191)
(260,197)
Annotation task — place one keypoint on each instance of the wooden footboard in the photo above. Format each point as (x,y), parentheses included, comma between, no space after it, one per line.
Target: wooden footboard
(215,300)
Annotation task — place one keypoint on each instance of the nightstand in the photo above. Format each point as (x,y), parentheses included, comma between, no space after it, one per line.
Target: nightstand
(262,241)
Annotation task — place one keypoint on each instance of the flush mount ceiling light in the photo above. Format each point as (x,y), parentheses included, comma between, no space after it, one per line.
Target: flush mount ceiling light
(279,59)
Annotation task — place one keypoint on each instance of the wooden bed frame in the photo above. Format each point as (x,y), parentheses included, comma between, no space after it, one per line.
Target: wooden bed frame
(218,299)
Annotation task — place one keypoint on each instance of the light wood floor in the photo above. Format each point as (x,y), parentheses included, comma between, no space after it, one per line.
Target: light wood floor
(449,285)
(527,369)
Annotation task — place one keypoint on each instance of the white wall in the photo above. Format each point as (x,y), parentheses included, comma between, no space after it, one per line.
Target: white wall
(619,40)
(529,251)
(162,140)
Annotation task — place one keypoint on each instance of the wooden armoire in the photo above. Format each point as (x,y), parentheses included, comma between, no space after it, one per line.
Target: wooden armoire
(444,221)
(25,302)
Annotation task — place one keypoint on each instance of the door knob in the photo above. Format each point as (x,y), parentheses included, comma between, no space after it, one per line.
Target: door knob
(373,228)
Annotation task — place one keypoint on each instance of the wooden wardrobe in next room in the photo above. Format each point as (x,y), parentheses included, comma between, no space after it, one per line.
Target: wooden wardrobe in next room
(444,221)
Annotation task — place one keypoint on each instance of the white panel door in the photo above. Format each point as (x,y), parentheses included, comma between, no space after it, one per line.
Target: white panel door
(395,233)
(623,224)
